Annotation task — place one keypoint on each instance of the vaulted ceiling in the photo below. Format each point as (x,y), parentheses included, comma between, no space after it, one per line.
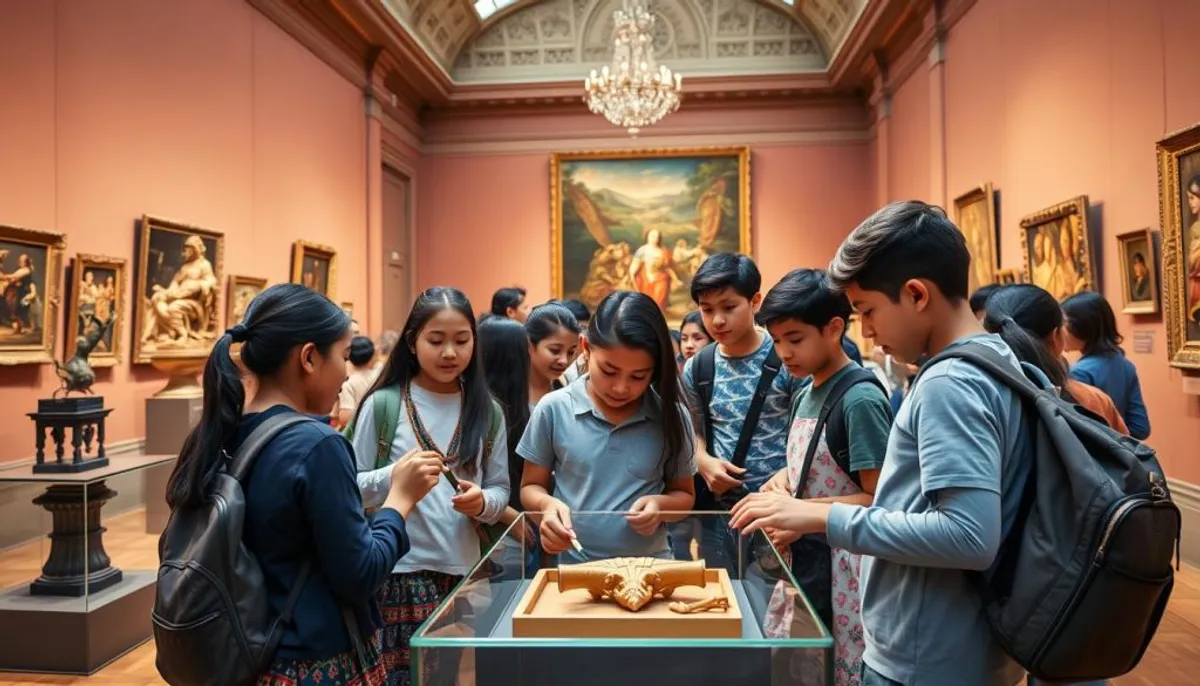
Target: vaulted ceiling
(525,41)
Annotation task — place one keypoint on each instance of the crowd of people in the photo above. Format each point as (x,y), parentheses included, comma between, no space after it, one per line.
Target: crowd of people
(881,488)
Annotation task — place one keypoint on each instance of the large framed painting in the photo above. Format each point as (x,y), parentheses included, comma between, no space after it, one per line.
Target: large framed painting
(315,266)
(975,215)
(1138,267)
(645,220)
(242,289)
(1179,210)
(179,270)
(1057,249)
(97,309)
(30,271)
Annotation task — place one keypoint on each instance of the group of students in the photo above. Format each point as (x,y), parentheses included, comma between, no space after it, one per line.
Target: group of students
(770,421)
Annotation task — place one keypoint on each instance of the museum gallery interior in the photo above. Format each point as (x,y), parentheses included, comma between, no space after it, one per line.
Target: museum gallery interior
(166,162)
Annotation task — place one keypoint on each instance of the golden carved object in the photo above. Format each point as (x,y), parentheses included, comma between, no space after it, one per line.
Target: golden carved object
(716,602)
(631,582)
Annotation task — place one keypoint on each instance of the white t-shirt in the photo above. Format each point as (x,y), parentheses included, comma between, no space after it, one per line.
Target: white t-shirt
(440,538)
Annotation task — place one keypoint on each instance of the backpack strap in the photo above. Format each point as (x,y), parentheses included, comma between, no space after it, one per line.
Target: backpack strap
(243,460)
(770,370)
(837,434)
(386,412)
(489,442)
(284,619)
(704,369)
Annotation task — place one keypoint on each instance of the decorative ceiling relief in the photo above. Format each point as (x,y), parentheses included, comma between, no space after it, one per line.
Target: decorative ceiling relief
(557,39)
(442,26)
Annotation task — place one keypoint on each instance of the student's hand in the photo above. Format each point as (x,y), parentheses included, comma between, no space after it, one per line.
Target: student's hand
(643,516)
(720,475)
(556,527)
(782,539)
(777,483)
(412,477)
(780,512)
(469,499)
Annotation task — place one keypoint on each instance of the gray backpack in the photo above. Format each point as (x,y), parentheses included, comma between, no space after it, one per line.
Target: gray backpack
(1081,581)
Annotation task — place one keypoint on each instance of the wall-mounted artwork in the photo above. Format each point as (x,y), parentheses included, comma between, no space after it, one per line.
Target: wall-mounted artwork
(645,220)
(97,296)
(1007,277)
(242,289)
(1057,249)
(30,269)
(1179,210)
(178,286)
(975,215)
(1138,266)
(348,308)
(315,266)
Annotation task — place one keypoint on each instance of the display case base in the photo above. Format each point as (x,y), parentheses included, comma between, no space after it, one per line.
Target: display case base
(74,635)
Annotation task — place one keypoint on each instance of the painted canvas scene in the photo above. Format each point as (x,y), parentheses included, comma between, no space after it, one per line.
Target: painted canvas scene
(647,223)
(96,310)
(1057,251)
(976,218)
(1139,282)
(242,289)
(178,289)
(1189,181)
(23,283)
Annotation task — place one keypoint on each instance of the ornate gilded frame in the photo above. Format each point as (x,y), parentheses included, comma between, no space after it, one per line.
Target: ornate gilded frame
(1131,306)
(1075,206)
(742,152)
(348,308)
(302,249)
(55,245)
(1005,277)
(146,227)
(986,194)
(79,265)
(235,280)
(1182,353)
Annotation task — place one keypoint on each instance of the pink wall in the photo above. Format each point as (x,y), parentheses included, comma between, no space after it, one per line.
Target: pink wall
(201,111)
(1048,100)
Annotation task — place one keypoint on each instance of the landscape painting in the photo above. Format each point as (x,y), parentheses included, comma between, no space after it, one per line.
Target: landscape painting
(645,221)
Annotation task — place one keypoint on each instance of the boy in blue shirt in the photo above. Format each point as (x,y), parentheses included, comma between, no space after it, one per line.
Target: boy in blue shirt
(957,458)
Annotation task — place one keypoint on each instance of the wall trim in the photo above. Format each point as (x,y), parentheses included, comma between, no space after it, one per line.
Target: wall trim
(1187,498)
(620,141)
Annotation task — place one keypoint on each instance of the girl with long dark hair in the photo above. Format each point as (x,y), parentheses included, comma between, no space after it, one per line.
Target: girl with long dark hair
(302,503)
(431,396)
(617,439)
(1091,329)
(553,345)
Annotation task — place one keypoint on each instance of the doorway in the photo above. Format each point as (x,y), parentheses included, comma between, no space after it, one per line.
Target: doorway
(396,297)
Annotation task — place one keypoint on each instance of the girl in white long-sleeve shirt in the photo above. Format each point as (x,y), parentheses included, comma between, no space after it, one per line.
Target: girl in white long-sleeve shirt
(432,391)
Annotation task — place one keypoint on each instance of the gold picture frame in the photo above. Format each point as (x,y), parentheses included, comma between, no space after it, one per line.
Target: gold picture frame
(105,279)
(31,264)
(348,308)
(1179,215)
(1044,236)
(677,205)
(1136,253)
(315,266)
(167,250)
(242,289)
(975,217)
(1008,277)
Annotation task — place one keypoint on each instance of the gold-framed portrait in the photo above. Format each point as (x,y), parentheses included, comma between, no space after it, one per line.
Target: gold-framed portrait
(1007,277)
(1056,248)
(645,220)
(31,264)
(96,309)
(315,266)
(242,289)
(1138,270)
(177,290)
(1179,213)
(975,216)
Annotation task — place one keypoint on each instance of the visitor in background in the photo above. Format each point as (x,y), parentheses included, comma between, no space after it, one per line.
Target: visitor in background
(979,300)
(432,394)
(360,376)
(958,457)
(624,431)
(302,504)
(675,348)
(1092,329)
(1030,321)
(510,302)
(553,346)
(692,335)
(582,315)
(807,322)
(851,349)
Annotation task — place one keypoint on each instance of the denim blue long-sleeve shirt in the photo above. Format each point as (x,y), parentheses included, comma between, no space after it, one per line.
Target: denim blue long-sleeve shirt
(1114,374)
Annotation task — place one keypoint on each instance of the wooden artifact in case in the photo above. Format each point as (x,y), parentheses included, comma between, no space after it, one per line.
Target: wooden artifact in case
(679,600)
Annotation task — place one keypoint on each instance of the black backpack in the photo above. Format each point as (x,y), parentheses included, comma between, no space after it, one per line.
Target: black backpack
(703,373)
(212,623)
(1080,583)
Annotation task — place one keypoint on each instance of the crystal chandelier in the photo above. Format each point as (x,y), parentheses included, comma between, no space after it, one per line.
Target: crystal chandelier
(635,91)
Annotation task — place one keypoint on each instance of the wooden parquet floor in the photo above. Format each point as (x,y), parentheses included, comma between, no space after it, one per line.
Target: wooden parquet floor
(1173,658)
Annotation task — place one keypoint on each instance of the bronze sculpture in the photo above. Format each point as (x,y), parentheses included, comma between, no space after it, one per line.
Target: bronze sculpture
(77,375)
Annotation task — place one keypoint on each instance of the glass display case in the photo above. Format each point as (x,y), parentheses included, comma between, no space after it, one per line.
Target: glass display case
(513,621)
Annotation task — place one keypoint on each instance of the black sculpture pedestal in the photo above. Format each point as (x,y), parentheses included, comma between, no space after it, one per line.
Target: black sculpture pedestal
(85,418)
(77,564)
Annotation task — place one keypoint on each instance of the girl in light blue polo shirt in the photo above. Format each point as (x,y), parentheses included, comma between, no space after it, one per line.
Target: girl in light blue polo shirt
(618,439)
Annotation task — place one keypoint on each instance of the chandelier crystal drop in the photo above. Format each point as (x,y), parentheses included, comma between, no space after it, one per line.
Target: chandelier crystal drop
(635,91)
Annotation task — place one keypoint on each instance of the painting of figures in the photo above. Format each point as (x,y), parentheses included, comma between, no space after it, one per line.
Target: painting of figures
(96,310)
(646,220)
(30,263)
(315,266)
(975,215)
(1057,249)
(1179,210)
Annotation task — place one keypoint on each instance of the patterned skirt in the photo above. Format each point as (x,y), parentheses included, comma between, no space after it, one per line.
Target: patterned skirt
(406,601)
(339,670)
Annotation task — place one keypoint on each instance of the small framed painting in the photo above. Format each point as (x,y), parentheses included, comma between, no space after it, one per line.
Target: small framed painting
(975,215)
(242,289)
(1139,278)
(96,314)
(30,273)
(1007,277)
(1057,247)
(348,308)
(315,266)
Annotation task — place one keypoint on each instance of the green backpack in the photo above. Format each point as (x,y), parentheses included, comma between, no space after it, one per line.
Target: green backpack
(387,418)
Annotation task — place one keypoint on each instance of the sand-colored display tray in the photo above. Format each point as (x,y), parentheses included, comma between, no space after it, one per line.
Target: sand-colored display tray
(545,612)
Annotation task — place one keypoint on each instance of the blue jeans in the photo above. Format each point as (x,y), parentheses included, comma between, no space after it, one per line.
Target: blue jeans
(872,678)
